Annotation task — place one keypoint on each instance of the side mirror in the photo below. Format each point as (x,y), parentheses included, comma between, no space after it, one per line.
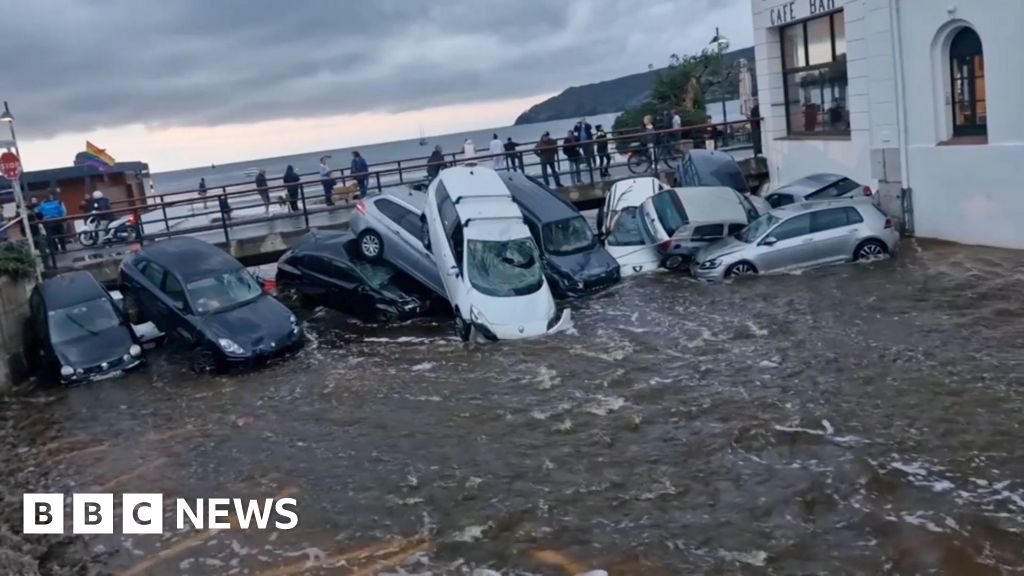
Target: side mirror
(454,271)
(769,241)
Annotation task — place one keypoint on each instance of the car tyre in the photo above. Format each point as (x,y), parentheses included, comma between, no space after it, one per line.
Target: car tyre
(371,245)
(870,250)
(740,269)
(462,328)
(673,262)
(204,361)
(132,309)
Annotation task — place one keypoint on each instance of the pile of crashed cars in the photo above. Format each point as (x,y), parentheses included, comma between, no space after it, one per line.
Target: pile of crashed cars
(494,249)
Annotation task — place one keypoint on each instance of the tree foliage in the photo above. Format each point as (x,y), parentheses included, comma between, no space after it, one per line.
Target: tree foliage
(16,260)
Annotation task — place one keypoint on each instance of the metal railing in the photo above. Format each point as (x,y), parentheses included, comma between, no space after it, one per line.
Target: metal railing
(229,207)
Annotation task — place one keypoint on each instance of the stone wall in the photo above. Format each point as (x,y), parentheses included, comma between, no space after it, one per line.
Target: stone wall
(13,312)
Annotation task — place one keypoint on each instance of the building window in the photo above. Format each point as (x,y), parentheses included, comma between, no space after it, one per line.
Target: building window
(814,68)
(967,67)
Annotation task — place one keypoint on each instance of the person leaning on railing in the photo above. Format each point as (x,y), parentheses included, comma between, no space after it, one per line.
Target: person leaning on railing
(294,185)
(546,149)
(435,163)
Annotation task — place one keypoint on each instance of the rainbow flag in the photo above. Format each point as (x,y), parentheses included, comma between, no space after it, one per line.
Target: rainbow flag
(94,156)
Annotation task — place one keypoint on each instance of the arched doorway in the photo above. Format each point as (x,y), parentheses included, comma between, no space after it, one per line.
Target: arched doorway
(967,69)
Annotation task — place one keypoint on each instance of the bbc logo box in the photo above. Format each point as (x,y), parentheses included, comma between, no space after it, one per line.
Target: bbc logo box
(92,514)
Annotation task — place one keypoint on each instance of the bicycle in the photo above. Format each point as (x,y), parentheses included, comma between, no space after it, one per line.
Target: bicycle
(638,159)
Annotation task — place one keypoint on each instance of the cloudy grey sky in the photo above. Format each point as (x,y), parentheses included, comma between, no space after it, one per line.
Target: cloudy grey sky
(74,67)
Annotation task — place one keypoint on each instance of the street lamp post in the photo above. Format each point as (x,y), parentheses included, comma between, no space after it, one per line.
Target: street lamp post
(720,44)
(19,198)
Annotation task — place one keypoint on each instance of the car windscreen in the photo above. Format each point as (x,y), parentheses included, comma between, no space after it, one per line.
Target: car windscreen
(504,268)
(377,274)
(757,228)
(836,190)
(85,319)
(567,236)
(625,228)
(670,211)
(222,291)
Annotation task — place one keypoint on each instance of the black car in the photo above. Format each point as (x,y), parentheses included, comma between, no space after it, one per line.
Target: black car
(326,267)
(575,263)
(711,168)
(203,296)
(76,332)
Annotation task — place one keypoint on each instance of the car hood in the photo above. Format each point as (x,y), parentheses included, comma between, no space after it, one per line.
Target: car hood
(531,311)
(260,323)
(399,298)
(721,248)
(93,350)
(584,265)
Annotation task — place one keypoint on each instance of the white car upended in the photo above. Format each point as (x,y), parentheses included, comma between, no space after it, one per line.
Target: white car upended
(619,222)
(489,263)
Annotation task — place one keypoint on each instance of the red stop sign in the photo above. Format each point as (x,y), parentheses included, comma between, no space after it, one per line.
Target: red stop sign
(10,165)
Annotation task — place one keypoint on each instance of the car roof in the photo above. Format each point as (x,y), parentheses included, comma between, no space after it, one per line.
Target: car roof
(794,209)
(329,243)
(711,204)
(70,289)
(810,183)
(534,198)
(406,197)
(480,196)
(190,258)
(714,164)
(633,191)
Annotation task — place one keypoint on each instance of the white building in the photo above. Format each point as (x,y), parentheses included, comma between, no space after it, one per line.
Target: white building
(911,95)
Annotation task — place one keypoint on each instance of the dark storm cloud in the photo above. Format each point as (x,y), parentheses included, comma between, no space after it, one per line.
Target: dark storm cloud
(84,64)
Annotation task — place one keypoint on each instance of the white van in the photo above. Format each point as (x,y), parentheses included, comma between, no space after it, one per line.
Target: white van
(621,227)
(488,261)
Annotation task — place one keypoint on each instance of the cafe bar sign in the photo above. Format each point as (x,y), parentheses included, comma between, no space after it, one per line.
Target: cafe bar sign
(794,10)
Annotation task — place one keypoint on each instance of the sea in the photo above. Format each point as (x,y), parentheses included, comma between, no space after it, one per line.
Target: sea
(308,163)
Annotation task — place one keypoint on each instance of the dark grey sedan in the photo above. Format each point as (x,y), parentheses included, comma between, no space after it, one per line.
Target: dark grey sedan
(389,227)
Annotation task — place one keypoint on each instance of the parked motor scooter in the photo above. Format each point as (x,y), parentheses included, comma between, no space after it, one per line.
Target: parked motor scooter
(123,229)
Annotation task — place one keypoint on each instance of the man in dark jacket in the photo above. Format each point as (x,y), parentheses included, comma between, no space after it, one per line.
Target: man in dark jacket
(513,155)
(571,149)
(294,186)
(585,136)
(602,151)
(546,149)
(435,163)
(360,171)
(263,190)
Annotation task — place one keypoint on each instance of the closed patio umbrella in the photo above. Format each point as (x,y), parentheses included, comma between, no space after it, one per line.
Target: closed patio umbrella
(746,89)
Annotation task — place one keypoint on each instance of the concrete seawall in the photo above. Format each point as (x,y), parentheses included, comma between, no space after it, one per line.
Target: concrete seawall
(14,296)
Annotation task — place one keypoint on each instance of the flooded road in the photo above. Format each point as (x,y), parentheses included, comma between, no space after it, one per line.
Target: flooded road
(861,419)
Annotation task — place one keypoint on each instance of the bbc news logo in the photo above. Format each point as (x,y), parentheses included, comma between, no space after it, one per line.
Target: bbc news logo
(144,513)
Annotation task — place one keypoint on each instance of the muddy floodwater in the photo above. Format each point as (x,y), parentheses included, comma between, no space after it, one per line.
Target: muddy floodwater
(860,419)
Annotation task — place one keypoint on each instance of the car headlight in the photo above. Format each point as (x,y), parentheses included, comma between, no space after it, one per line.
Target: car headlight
(711,264)
(135,350)
(67,371)
(295,325)
(229,346)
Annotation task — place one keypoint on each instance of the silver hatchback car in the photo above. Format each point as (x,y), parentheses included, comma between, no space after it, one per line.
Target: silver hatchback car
(801,236)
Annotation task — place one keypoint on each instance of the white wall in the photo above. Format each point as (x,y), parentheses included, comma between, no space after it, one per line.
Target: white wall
(965,193)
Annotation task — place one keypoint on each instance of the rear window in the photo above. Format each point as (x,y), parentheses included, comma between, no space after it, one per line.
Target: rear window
(708,232)
(840,188)
(670,211)
(779,200)
(718,170)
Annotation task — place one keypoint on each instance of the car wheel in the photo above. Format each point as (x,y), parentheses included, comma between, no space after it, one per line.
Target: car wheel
(131,308)
(371,245)
(462,328)
(870,250)
(740,269)
(673,262)
(204,361)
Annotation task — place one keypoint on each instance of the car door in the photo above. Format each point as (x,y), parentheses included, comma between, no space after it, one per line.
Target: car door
(445,232)
(831,231)
(316,272)
(786,246)
(412,256)
(148,295)
(398,251)
(174,307)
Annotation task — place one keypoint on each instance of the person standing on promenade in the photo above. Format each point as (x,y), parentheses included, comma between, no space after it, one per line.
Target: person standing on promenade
(326,181)
(514,156)
(755,127)
(677,124)
(360,171)
(546,149)
(497,151)
(293,182)
(262,190)
(468,150)
(605,159)
(225,207)
(585,137)
(202,191)
(49,211)
(435,163)
(571,149)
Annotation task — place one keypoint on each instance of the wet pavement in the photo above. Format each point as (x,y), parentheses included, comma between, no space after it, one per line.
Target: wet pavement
(860,419)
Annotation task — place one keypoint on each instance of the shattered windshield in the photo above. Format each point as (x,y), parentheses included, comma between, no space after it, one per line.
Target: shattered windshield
(757,228)
(222,291)
(504,268)
(568,236)
(85,319)
(376,274)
